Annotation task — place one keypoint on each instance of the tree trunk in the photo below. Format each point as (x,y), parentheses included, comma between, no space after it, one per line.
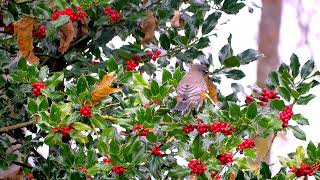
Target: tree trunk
(269,38)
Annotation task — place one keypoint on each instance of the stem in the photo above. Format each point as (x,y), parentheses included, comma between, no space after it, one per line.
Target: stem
(111,118)
(22,165)
(16,126)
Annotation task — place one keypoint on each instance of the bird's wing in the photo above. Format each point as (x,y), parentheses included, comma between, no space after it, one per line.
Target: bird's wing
(191,85)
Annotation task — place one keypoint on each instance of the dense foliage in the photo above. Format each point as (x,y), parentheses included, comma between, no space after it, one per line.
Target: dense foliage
(105,112)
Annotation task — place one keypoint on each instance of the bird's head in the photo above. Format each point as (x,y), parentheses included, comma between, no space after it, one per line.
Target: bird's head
(203,69)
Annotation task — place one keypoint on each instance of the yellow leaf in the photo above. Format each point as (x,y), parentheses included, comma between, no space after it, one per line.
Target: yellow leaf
(23,30)
(66,33)
(103,88)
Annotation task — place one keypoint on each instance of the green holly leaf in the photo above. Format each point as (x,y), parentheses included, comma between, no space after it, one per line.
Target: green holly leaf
(306,69)
(196,147)
(298,133)
(232,61)
(294,65)
(211,22)
(303,100)
(252,110)
(277,104)
(32,106)
(300,119)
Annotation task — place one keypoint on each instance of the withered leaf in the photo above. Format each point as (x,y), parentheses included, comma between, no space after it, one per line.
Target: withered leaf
(23,30)
(148,26)
(66,35)
(176,21)
(212,90)
(103,88)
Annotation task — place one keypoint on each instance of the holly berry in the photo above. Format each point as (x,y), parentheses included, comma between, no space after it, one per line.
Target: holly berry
(118,169)
(202,127)
(246,143)
(286,115)
(222,127)
(86,111)
(36,88)
(140,129)
(158,52)
(303,170)
(156,150)
(39,31)
(188,128)
(249,99)
(66,130)
(30,176)
(55,130)
(149,53)
(131,65)
(197,167)
(107,160)
(214,176)
(225,158)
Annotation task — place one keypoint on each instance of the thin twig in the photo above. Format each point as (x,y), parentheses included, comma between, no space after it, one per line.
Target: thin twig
(22,165)
(16,126)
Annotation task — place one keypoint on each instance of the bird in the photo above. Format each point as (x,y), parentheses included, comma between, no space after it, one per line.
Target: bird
(193,89)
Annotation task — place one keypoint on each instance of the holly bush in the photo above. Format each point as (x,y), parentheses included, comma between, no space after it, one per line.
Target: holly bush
(104,107)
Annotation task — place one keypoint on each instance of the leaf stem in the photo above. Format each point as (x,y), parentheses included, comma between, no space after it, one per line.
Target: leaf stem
(16,126)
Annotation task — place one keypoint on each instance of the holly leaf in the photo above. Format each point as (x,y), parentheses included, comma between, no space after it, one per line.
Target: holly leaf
(103,88)
(298,133)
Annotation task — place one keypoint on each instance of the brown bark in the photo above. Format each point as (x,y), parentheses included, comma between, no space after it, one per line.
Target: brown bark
(269,38)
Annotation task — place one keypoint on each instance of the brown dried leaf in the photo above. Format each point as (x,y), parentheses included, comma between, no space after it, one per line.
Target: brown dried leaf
(212,90)
(148,26)
(176,21)
(66,33)
(104,88)
(23,30)
(232,175)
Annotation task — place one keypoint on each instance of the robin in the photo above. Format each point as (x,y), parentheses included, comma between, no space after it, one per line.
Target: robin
(193,89)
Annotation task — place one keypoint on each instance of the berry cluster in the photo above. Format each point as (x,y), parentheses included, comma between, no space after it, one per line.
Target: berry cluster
(114,14)
(156,150)
(304,170)
(86,111)
(249,99)
(36,87)
(140,129)
(197,167)
(266,95)
(222,127)
(225,158)
(131,65)
(188,128)
(286,115)
(246,143)
(66,130)
(40,31)
(74,16)
(118,169)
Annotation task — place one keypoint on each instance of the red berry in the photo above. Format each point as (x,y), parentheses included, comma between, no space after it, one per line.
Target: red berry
(131,65)
(154,57)
(107,160)
(118,169)
(30,176)
(156,151)
(249,99)
(136,58)
(303,170)
(66,130)
(246,143)
(55,130)
(222,127)
(286,115)
(158,52)
(36,88)
(149,53)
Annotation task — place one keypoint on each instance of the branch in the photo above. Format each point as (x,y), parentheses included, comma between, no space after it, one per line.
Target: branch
(16,126)
(22,165)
